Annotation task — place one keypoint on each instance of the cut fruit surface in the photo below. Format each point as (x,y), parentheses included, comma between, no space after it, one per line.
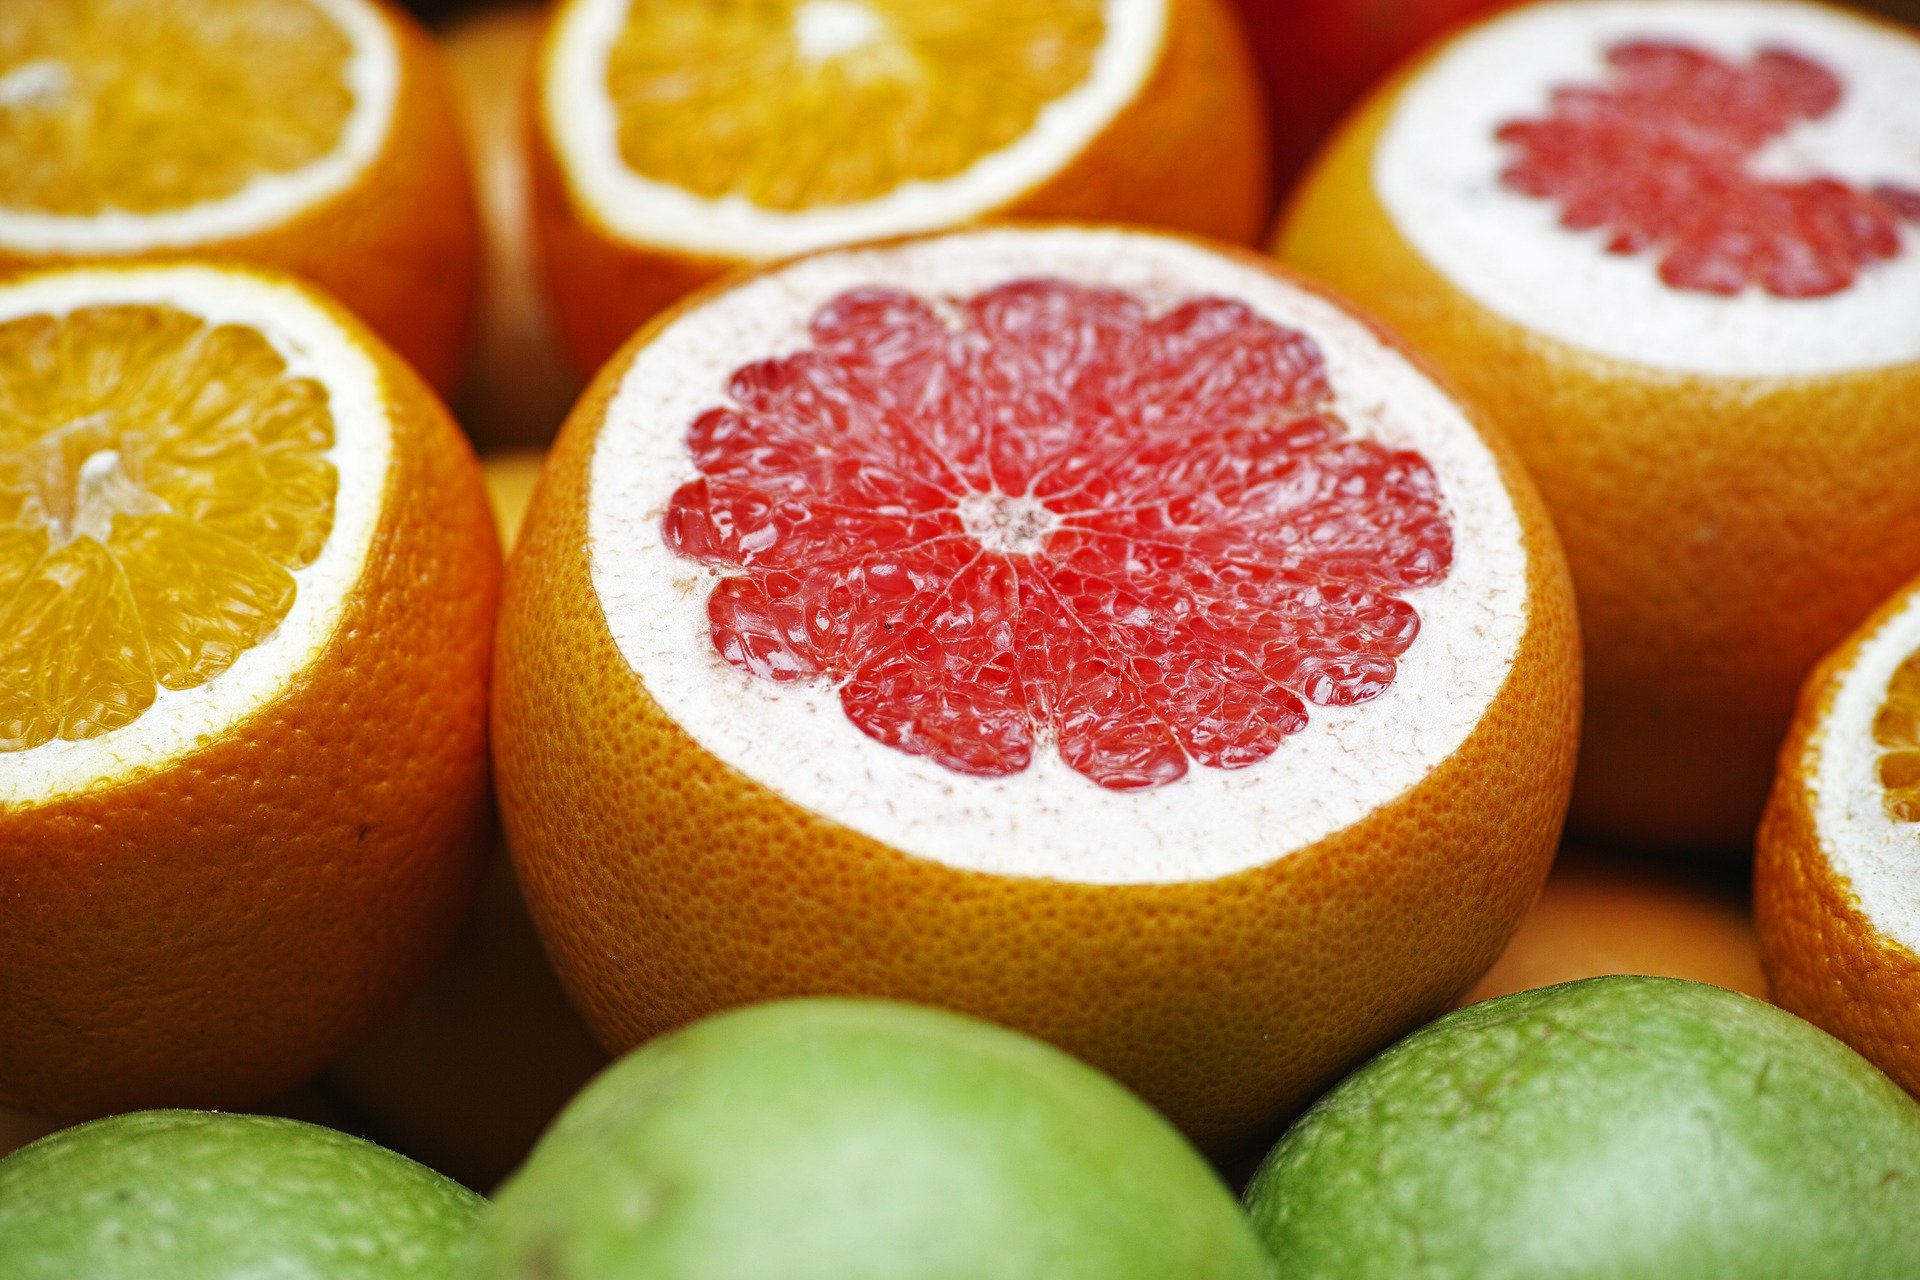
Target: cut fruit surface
(246,588)
(1059,517)
(677,137)
(1015,620)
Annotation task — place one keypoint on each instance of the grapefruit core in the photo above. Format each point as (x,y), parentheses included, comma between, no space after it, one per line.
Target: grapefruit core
(1051,514)
(869,635)
(1725,188)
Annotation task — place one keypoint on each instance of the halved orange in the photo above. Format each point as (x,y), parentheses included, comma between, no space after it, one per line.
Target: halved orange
(1090,629)
(247,580)
(1837,879)
(316,136)
(676,139)
(1672,250)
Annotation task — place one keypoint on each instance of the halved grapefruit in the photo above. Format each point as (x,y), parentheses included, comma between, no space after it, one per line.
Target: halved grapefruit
(315,136)
(1671,248)
(1089,629)
(677,139)
(247,580)
(1837,877)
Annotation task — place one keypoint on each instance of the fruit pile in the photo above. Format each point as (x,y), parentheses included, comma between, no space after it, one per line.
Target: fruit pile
(1023,694)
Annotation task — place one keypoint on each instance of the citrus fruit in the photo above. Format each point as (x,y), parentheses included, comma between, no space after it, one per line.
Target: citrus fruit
(1671,249)
(676,139)
(247,581)
(193,1195)
(518,386)
(1604,912)
(1087,629)
(1625,1128)
(1318,57)
(1836,895)
(311,135)
(860,1140)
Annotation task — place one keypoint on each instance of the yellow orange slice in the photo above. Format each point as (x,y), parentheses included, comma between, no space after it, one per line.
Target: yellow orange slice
(677,138)
(313,135)
(243,557)
(1837,878)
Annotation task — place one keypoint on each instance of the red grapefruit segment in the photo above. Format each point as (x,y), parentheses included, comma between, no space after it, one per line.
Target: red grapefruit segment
(1045,514)
(1663,159)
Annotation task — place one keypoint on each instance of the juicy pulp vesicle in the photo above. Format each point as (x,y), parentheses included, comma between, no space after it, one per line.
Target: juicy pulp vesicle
(1663,159)
(1045,513)
(162,479)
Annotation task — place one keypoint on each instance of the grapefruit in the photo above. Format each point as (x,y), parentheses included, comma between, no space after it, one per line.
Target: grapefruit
(858,1140)
(1609,1129)
(1088,629)
(315,136)
(518,386)
(675,141)
(1671,248)
(1604,912)
(168,1195)
(1835,891)
(247,583)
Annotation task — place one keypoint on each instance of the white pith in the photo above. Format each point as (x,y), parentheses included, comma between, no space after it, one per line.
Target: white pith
(580,120)
(1437,172)
(1876,856)
(373,73)
(1048,821)
(313,345)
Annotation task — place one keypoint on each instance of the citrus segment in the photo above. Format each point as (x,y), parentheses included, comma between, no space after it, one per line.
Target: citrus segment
(854,98)
(1059,517)
(1896,728)
(163,478)
(131,106)
(1663,158)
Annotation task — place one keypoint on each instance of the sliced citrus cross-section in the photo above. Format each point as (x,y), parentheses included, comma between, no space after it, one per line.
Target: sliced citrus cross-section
(1837,879)
(309,134)
(1048,623)
(679,137)
(212,564)
(1672,249)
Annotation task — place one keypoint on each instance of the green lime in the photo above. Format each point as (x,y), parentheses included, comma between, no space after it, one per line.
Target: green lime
(1619,1128)
(196,1195)
(861,1140)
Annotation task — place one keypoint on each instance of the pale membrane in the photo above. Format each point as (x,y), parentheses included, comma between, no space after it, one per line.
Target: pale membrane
(1875,855)
(314,346)
(643,211)
(1049,821)
(373,76)
(1438,165)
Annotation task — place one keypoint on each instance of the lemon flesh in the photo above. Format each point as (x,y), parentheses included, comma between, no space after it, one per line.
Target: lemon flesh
(162,479)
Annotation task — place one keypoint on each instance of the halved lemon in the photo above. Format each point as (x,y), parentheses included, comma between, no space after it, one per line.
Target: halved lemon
(1082,628)
(246,585)
(1837,879)
(312,135)
(678,138)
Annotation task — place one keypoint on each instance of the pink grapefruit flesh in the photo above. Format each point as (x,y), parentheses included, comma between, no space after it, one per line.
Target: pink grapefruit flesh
(1045,513)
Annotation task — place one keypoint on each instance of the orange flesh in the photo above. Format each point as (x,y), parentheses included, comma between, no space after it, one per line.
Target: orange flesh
(150,105)
(794,104)
(1896,729)
(161,480)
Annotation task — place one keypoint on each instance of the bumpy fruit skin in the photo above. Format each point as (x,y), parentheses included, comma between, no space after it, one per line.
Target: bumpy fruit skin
(1614,1129)
(164,1194)
(214,931)
(1825,960)
(859,1140)
(668,885)
(398,244)
(1723,532)
(1189,153)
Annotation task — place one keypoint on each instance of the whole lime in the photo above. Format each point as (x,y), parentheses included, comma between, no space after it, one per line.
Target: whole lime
(861,1140)
(1619,1128)
(197,1195)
